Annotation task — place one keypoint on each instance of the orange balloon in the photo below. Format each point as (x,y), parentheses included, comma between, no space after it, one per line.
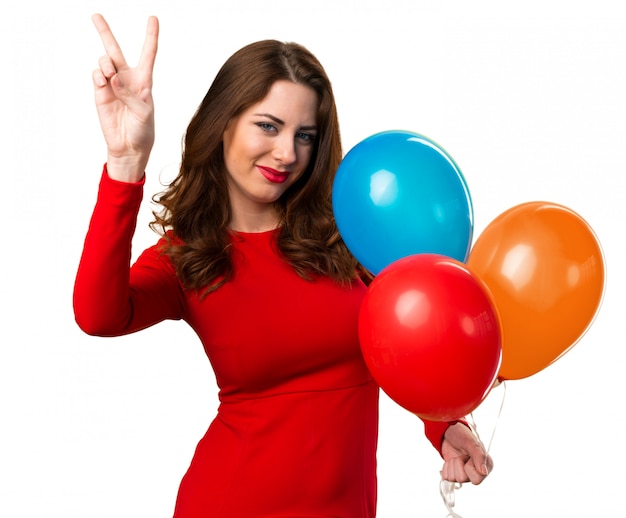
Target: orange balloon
(545,269)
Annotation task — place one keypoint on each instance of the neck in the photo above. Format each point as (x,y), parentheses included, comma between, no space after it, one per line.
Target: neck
(257,222)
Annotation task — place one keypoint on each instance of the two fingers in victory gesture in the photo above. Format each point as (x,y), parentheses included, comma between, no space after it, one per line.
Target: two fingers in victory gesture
(124,102)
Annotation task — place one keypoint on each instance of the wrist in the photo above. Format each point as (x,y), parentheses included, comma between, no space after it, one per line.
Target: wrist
(126,169)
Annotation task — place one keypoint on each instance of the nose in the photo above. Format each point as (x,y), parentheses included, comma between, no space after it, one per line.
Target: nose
(285,149)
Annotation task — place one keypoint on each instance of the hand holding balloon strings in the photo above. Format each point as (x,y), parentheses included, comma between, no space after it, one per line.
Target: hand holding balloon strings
(447,487)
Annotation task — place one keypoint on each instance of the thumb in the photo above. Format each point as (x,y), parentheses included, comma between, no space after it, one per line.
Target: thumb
(482,461)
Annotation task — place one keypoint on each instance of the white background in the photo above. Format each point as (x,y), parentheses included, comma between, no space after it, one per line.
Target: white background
(528,97)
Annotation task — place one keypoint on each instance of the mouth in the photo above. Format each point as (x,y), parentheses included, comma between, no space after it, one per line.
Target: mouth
(273,175)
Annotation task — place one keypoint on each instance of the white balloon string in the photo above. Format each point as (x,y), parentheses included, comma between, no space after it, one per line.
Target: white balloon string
(472,423)
(447,488)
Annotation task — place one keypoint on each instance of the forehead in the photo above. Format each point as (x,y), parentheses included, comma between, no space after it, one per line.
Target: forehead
(291,102)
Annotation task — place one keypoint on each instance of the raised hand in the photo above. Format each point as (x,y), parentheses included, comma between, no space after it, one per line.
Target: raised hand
(124,102)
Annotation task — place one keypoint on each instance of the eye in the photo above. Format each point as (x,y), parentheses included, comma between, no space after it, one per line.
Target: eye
(309,138)
(267,126)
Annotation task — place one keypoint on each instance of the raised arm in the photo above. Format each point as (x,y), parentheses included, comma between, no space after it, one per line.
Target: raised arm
(110,297)
(124,102)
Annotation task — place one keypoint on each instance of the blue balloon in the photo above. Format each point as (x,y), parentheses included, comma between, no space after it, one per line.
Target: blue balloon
(397,193)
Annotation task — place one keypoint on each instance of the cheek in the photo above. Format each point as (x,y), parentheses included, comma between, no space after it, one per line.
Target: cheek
(237,156)
(304,158)
(230,155)
(230,162)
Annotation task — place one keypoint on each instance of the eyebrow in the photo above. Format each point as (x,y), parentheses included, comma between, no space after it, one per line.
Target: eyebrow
(281,122)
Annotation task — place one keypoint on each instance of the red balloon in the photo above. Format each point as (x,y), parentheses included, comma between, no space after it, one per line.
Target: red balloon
(431,336)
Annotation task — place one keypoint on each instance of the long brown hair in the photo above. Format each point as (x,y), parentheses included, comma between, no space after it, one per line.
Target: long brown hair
(196,207)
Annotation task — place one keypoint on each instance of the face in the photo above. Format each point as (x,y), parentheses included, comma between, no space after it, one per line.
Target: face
(266,149)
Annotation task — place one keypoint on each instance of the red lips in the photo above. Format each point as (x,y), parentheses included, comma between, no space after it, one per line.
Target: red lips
(273,175)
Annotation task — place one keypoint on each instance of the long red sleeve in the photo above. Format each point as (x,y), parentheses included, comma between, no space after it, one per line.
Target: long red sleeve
(109,298)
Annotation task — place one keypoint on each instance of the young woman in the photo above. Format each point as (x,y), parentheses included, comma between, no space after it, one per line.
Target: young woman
(251,259)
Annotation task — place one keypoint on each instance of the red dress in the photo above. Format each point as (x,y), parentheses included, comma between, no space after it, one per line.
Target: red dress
(296,430)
